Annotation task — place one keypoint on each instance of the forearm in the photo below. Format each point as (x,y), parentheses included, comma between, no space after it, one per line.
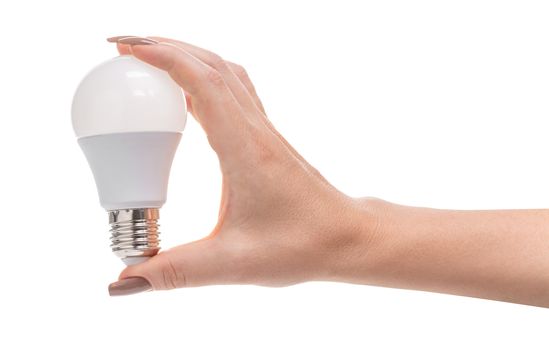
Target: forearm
(493,254)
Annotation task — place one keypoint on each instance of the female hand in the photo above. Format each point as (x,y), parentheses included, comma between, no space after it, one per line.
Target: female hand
(280,222)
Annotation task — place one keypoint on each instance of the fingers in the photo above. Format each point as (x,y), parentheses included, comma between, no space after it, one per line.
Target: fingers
(237,82)
(239,90)
(242,87)
(195,264)
(126,49)
(213,103)
(236,75)
(192,74)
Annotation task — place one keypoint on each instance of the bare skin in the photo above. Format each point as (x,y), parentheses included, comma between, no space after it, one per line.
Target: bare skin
(281,223)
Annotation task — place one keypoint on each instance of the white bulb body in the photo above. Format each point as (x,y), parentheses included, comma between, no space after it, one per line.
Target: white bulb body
(128,117)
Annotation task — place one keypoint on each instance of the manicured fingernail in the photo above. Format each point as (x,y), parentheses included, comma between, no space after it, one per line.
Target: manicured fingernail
(132,40)
(115,39)
(127,286)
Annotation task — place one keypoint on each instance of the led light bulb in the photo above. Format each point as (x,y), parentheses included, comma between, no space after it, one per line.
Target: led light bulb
(128,117)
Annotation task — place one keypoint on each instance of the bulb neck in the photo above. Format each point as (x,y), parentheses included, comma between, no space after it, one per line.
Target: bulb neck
(134,233)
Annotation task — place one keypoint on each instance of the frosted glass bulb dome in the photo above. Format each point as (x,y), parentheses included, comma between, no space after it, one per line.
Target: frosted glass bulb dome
(125,94)
(128,117)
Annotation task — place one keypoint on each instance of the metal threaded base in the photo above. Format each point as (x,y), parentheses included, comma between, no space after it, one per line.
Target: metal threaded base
(134,232)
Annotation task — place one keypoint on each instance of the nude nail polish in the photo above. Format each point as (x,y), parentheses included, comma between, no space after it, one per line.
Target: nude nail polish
(127,286)
(115,39)
(132,40)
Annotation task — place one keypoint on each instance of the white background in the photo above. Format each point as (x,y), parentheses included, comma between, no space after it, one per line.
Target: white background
(433,103)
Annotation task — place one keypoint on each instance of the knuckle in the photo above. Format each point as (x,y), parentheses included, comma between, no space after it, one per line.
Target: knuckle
(171,278)
(215,78)
(240,71)
(217,61)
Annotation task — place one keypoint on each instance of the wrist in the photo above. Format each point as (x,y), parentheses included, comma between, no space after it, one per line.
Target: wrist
(352,249)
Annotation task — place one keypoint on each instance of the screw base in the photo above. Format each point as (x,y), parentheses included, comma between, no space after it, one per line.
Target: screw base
(134,233)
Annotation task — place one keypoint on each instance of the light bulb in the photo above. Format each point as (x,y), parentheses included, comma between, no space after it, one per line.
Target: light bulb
(128,117)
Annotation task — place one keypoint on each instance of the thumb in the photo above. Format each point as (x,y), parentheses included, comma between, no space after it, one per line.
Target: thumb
(190,265)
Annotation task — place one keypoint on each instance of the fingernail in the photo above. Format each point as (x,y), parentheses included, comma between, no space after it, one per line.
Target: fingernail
(132,40)
(127,286)
(115,39)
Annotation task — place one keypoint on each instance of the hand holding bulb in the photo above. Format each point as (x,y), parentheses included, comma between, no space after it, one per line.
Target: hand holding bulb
(280,222)
(278,216)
